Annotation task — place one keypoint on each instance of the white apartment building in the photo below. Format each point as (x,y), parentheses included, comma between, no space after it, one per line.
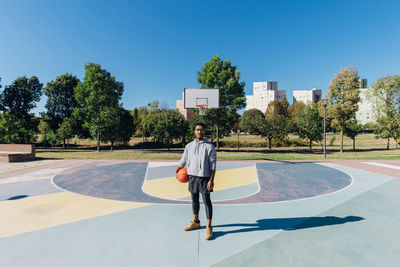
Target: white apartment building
(305,96)
(365,113)
(263,94)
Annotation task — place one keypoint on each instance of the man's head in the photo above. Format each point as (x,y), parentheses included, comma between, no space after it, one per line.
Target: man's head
(199,130)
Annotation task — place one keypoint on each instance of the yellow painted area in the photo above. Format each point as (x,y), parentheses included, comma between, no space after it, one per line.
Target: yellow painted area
(170,188)
(327,164)
(40,212)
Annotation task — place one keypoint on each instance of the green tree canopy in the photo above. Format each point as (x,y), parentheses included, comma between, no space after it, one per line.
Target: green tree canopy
(16,101)
(274,108)
(352,129)
(61,99)
(310,124)
(66,130)
(224,76)
(13,130)
(343,97)
(167,126)
(121,127)
(294,111)
(21,96)
(252,121)
(48,136)
(275,127)
(96,94)
(385,94)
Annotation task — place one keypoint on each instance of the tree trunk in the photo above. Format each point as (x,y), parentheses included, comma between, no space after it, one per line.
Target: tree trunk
(64,142)
(112,145)
(216,128)
(269,143)
(310,145)
(388,142)
(98,139)
(341,142)
(354,144)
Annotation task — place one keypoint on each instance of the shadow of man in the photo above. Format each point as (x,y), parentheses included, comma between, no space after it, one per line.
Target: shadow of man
(287,224)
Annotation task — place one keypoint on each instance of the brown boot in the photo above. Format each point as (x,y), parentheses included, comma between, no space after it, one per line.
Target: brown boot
(209,233)
(192,226)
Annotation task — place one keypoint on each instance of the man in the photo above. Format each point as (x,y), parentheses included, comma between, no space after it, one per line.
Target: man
(201,159)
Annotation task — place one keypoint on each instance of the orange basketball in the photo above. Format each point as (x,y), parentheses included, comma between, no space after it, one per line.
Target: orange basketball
(182,176)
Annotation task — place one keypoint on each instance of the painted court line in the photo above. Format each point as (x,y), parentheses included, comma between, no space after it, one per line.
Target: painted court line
(382,165)
(33,176)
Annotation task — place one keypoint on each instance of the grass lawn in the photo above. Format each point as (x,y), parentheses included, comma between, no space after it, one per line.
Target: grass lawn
(367,148)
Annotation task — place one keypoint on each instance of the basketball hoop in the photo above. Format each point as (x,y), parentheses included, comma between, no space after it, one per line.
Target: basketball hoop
(202,109)
(201,98)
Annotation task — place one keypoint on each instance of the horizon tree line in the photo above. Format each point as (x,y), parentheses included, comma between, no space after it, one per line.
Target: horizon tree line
(91,108)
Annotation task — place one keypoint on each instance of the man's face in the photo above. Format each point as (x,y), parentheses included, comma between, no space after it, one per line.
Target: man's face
(199,132)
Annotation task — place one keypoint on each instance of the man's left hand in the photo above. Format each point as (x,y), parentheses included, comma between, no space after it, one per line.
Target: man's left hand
(210,186)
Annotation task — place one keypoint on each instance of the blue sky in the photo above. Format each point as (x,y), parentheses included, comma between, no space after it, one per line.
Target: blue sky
(156,47)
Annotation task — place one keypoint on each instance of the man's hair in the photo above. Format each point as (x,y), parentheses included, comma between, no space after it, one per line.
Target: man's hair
(199,124)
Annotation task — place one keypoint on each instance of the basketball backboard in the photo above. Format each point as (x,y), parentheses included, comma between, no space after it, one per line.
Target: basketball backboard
(206,97)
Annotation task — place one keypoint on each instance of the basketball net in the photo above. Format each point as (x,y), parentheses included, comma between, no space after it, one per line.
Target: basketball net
(202,110)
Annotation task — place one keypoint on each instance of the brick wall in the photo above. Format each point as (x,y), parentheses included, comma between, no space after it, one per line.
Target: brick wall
(17,152)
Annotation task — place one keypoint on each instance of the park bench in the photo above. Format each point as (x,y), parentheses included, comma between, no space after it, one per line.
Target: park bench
(16,152)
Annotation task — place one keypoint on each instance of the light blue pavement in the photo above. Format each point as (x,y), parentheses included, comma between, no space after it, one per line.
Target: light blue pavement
(372,241)
(355,226)
(26,189)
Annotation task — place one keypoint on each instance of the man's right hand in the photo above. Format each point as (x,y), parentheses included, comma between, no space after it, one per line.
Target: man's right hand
(177,170)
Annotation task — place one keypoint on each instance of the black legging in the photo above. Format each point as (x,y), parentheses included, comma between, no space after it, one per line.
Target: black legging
(207,203)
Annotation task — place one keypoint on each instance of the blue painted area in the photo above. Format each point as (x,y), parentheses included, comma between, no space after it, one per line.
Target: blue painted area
(296,180)
(168,171)
(29,188)
(117,181)
(278,181)
(161,172)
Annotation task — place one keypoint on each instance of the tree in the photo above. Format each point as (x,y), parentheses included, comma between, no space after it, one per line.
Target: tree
(284,104)
(352,129)
(14,131)
(18,99)
(219,122)
(224,76)
(275,127)
(66,129)
(144,116)
(136,122)
(48,136)
(21,96)
(121,129)
(294,111)
(385,94)
(343,97)
(252,121)
(276,108)
(310,124)
(98,92)
(168,126)
(61,99)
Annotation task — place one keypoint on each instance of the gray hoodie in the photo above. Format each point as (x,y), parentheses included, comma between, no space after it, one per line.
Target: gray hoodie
(199,157)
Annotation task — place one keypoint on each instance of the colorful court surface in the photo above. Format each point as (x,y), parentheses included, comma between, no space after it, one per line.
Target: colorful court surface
(266,213)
